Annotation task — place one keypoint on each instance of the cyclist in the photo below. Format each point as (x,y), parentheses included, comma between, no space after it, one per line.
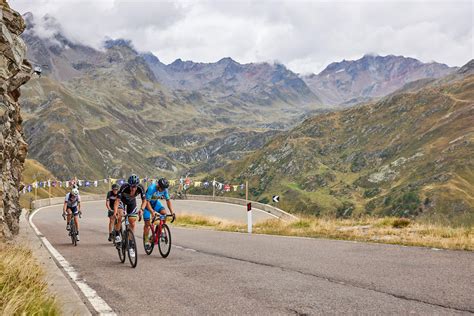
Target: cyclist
(72,206)
(127,200)
(110,203)
(153,194)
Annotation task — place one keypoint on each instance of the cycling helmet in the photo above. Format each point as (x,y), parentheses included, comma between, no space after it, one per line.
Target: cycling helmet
(115,186)
(133,180)
(75,192)
(163,183)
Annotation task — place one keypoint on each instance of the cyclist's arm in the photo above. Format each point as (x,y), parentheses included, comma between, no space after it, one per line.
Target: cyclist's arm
(144,203)
(107,202)
(116,205)
(148,197)
(79,203)
(64,207)
(150,208)
(170,207)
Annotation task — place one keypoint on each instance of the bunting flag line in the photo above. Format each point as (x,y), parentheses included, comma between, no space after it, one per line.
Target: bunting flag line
(183,183)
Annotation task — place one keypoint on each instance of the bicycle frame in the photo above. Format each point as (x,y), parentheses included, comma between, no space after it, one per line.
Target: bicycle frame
(158,228)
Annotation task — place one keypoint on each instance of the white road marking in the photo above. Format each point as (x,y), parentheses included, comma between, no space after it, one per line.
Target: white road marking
(96,301)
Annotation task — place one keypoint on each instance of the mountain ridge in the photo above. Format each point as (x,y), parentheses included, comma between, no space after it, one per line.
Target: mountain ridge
(408,154)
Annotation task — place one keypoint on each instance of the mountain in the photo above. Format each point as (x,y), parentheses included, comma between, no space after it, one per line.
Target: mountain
(409,154)
(228,81)
(112,111)
(355,81)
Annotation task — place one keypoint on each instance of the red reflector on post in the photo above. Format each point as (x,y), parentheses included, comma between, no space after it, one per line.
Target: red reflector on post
(249,207)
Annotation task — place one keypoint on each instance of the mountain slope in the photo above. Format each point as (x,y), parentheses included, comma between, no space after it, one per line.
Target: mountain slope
(409,154)
(112,111)
(354,81)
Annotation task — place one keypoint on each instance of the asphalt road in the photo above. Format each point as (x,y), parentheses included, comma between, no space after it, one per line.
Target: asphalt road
(219,273)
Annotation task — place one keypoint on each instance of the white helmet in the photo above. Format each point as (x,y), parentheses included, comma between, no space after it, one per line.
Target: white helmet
(75,192)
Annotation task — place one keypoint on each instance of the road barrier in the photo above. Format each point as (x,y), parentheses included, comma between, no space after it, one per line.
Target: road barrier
(97,197)
(263,207)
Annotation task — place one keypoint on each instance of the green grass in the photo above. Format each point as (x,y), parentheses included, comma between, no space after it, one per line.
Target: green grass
(23,290)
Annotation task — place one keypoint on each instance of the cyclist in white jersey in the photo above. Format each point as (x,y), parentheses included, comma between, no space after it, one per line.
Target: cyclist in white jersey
(72,206)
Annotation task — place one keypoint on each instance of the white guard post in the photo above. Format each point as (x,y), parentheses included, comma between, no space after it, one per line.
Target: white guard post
(249,218)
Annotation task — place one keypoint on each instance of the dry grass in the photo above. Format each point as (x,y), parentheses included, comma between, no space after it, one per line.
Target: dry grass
(23,290)
(388,230)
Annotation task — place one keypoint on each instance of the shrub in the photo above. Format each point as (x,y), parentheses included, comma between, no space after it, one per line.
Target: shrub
(401,222)
(371,192)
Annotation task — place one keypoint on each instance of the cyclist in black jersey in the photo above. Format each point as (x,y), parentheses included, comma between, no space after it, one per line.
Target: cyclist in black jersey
(127,201)
(112,195)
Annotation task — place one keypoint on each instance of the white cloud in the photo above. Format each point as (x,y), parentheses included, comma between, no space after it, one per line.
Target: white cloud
(305,35)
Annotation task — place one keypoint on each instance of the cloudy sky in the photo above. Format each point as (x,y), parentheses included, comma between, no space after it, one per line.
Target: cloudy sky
(304,35)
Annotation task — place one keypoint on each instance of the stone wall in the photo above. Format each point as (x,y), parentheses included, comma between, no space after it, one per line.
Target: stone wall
(14,72)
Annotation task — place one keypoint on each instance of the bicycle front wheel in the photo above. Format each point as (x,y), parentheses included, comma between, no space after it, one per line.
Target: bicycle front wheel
(164,241)
(121,247)
(73,234)
(132,249)
(151,240)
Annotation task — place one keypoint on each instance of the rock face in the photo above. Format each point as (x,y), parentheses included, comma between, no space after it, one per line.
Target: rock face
(14,72)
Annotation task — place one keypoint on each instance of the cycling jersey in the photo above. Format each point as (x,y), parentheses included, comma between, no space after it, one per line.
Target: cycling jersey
(128,200)
(72,200)
(153,195)
(112,198)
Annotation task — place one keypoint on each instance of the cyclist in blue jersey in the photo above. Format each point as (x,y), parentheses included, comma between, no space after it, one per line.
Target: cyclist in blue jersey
(154,193)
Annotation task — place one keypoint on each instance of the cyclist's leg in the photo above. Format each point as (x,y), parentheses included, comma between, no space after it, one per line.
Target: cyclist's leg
(75,213)
(110,215)
(69,212)
(147,221)
(68,218)
(119,217)
(118,225)
(132,219)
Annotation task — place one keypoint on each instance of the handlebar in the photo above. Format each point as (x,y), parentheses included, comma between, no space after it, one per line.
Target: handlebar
(167,215)
(64,215)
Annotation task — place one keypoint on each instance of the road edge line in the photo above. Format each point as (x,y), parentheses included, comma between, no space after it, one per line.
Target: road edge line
(94,299)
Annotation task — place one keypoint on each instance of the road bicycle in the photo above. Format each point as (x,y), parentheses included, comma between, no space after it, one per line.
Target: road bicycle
(159,234)
(179,195)
(73,229)
(127,243)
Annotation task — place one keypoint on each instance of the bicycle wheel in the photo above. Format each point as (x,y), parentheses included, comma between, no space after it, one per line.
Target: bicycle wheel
(131,244)
(121,248)
(151,240)
(73,233)
(164,241)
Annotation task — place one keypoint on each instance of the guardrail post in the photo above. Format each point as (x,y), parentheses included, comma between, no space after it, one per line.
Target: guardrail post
(214,189)
(249,218)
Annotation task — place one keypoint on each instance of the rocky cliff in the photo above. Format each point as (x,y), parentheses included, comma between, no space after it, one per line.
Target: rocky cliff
(14,72)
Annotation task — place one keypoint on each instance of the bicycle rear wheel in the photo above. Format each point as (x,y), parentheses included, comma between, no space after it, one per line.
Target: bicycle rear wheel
(121,247)
(151,240)
(164,241)
(132,245)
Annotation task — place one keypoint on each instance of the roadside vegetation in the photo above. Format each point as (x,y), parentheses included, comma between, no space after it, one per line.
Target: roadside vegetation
(23,290)
(389,230)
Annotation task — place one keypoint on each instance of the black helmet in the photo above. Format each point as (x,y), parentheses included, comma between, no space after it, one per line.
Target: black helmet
(163,183)
(115,186)
(133,180)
